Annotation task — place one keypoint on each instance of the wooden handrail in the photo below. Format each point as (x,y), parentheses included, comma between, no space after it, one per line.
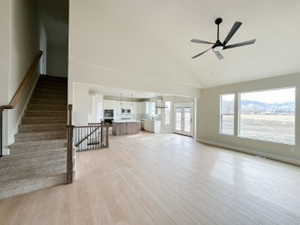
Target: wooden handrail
(89,126)
(3,107)
(27,78)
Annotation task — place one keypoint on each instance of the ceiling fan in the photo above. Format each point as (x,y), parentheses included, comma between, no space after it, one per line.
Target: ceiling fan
(218,45)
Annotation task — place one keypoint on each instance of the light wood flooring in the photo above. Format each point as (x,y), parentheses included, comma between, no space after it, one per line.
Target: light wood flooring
(150,179)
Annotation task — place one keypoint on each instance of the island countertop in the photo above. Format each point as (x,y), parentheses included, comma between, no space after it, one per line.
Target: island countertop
(126,127)
(126,121)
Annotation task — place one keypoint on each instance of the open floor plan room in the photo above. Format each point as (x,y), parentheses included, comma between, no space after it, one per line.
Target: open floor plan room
(164,179)
(161,112)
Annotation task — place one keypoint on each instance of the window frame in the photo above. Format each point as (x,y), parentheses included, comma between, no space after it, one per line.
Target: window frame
(220,115)
(237,114)
(168,105)
(238,130)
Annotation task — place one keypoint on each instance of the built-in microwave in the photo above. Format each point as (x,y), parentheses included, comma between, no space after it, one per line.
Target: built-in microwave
(125,111)
(108,113)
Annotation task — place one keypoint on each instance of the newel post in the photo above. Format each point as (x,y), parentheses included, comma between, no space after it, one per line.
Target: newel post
(1,132)
(69,179)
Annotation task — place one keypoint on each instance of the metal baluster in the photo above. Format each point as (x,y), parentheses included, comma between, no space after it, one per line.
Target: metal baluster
(95,140)
(107,135)
(79,132)
(101,133)
(89,139)
(98,138)
(76,135)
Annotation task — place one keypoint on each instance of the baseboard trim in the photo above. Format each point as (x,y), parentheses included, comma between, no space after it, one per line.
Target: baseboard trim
(281,159)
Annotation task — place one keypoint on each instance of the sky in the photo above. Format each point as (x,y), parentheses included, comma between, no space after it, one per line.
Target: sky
(272,96)
(269,96)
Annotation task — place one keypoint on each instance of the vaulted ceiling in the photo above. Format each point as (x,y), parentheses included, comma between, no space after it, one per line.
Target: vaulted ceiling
(144,38)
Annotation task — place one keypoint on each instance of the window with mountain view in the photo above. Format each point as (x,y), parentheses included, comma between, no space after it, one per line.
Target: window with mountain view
(268,115)
(227,114)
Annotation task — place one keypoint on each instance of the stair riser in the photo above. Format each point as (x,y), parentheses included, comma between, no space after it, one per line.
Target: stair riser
(49,101)
(40,138)
(49,95)
(53,88)
(45,91)
(57,168)
(52,85)
(50,121)
(26,165)
(39,128)
(31,155)
(34,172)
(27,148)
(37,107)
(38,160)
(44,121)
(42,116)
(53,79)
(28,185)
(40,134)
(46,114)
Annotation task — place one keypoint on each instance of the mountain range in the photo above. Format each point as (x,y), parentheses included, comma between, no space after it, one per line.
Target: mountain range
(256,107)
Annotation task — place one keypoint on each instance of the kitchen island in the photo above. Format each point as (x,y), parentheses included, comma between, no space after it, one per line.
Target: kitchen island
(126,127)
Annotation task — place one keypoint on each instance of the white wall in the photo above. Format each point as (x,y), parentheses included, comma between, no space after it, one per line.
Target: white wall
(97,57)
(4,61)
(4,51)
(87,105)
(208,127)
(18,47)
(81,105)
(23,40)
(53,29)
(23,47)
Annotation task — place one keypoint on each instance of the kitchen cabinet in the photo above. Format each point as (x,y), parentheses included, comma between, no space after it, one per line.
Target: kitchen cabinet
(151,125)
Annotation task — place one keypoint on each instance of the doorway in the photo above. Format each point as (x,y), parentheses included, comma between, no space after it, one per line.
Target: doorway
(184,120)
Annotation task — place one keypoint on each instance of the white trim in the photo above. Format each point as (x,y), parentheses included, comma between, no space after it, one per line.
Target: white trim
(183,106)
(220,114)
(245,150)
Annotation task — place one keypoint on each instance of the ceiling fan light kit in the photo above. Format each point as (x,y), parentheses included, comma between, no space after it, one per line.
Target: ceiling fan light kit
(219,45)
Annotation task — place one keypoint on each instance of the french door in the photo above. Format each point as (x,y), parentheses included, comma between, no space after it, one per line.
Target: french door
(184,120)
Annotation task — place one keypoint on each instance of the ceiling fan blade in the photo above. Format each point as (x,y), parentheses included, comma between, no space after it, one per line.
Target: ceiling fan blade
(201,53)
(233,30)
(219,55)
(201,42)
(240,44)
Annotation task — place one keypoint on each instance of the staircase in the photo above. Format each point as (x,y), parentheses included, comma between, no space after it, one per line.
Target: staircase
(38,157)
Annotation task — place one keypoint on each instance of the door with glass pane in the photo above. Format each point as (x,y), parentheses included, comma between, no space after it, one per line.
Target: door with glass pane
(184,120)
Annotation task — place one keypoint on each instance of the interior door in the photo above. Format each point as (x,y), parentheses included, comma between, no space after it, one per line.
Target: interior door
(184,120)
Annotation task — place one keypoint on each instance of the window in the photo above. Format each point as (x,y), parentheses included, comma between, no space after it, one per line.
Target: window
(178,118)
(227,114)
(268,115)
(150,108)
(187,119)
(167,113)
